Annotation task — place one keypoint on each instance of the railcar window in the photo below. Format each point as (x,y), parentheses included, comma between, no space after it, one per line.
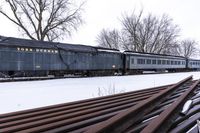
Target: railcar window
(163,62)
(172,62)
(159,62)
(140,61)
(179,62)
(132,61)
(168,62)
(153,61)
(148,61)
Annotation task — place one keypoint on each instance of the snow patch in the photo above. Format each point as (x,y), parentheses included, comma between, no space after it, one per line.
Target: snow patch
(17,96)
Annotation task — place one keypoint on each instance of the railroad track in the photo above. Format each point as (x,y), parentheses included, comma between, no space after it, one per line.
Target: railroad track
(17,79)
(25,79)
(151,110)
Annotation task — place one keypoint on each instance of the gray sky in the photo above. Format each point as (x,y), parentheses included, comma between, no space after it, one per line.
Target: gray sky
(101,14)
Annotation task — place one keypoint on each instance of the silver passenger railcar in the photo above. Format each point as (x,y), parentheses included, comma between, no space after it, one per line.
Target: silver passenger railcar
(138,62)
(193,64)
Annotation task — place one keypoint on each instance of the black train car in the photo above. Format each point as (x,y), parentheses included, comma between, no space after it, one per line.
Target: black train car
(109,61)
(21,57)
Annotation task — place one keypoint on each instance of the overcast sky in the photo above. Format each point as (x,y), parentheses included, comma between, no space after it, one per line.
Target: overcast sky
(101,14)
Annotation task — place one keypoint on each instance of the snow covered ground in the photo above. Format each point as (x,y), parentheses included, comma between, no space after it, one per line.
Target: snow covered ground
(31,94)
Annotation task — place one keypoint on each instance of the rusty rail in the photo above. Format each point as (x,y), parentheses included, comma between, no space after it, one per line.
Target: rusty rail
(124,120)
(70,113)
(150,110)
(166,118)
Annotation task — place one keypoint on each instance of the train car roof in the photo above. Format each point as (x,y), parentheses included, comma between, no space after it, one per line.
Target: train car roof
(101,49)
(11,41)
(152,54)
(18,42)
(193,59)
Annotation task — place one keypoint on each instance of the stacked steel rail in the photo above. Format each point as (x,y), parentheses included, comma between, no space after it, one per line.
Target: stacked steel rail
(157,109)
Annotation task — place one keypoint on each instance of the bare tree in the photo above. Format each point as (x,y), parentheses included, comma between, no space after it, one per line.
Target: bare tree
(188,48)
(173,49)
(130,36)
(109,39)
(149,34)
(44,19)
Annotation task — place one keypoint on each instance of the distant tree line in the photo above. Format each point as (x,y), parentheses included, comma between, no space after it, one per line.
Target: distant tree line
(148,33)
